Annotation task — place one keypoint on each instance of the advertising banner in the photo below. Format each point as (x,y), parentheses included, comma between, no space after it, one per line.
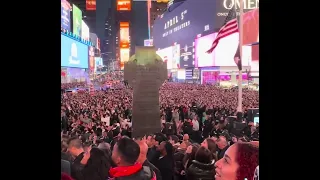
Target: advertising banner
(124,35)
(91,59)
(77,20)
(98,63)
(124,56)
(65,14)
(85,31)
(223,7)
(124,5)
(223,54)
(148,42)
(73,53)
(182,26)
(171,55)
(251,27)
(90,5)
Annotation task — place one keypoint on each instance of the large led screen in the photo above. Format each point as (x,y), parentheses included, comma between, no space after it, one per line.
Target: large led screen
(224,6)
(85,31)
(223,54)
(170,55)
(65,14)
(182,26)
(124,5)
(251,27)
(98,63)
(203,59)
(77,20)
(73,53)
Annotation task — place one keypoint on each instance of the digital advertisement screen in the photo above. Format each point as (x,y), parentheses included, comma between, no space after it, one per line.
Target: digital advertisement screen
(91,5)
(65,14)
(123,5)
(85,31)
(166,54)
(77,20)
(73,53)
(124,56)
(148,42)
(181,74)
(171,55)
(182,26)
(224,6)
(223,54)
(251,27)
(224,77)
(209,77)
(98,63)
(202,44)
(91,59)
(124,35)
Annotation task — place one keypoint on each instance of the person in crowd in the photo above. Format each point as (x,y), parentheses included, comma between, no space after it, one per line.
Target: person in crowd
(211,146)
(165,163)
(76,150)
(144,161)
(190,155)
(125,155)
(202,168)
(97,166)
(238,163)
(153,154)
(223,145)
(174,140)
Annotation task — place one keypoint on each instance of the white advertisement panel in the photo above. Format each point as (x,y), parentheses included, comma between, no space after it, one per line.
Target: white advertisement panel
(85,31)
(171,55)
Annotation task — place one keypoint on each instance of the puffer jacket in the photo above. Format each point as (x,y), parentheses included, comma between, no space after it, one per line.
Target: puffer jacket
(200,171)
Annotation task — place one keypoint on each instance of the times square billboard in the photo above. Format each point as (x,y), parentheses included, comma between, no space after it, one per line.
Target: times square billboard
(189,20)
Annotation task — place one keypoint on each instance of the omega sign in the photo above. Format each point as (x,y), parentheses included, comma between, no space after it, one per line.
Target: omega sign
(175,24)
(228,4)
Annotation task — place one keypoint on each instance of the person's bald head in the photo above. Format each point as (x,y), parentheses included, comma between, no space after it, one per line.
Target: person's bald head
(143,151)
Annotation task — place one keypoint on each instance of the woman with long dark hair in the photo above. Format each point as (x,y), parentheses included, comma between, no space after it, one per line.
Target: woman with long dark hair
(98,165)
(211,145)
(202,168)
(239,162)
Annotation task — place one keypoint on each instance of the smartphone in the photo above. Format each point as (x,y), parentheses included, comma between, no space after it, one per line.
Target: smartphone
(255,120)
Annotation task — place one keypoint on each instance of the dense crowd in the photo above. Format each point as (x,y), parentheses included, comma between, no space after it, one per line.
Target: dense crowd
(197,141)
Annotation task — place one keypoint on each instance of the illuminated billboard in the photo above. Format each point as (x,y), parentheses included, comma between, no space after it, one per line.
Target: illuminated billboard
(124,35)
(223,54)
(224,6)
(77,20)
(171,55)
(182,26)
(124,43)
(124,56)
(124,5)
(73,53)
(148,42)
(65,14)
(91,5)
(85,31)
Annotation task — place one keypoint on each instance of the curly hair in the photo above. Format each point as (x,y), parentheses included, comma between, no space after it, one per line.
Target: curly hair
(248,159)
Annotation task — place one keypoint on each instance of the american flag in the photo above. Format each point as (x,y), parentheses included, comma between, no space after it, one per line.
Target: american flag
(229,27)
